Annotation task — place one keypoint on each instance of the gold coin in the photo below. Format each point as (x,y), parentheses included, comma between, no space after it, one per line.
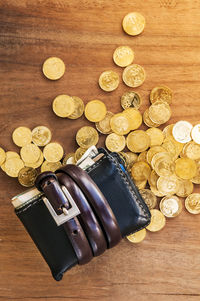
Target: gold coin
(153,178)
(142,157)
(148,121)
(182,131)
(149,198)
(131,159)
(156,136)
(133,23)
(161,93)
(138,141)
(196,178)
(171,206)
(158,221)
(78,108)
(134,75)
(137,237)
(109,80)
(134,117)
(69,159)
(168,185)
(159,156)
(156,191)
(164,166)
(87,136)
(154,150)
(123,56)
(50,166)
(196,133)
(185,188)
(53,68)
(115,143)
(159,112)
(2,156)
(63,106)
(140,171)
(13,166)
(27,176)
(192,150)
(95,110)
(167,131)
(79,153)
(185,168)
(173,147)
(103,126)
(10,155)
(41,135)
(192,203)
(140,184)
(130,99)
(120,124)
(30,153)
(37,163)
(53,152)
(22,136)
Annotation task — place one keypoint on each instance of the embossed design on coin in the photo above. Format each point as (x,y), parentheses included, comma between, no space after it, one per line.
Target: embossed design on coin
(182,131)
(63,106)
(78,108)
(158,221)
(171,206)
(149,198)
(27,176)
(115,143)
(95,110)
(87,136)
(161,93)
(137,236)
(13,166)
(41,135)
(192,203)
(22,136)
(159,112)
(53,68)
(30,153)
(134,75)
(131,99)
(53,152)
(123,56)
(133,23)
(109,80)
(50,166)
(103,126)
(196,133)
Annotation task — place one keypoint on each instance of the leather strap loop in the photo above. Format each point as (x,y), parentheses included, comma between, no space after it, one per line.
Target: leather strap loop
(96,200)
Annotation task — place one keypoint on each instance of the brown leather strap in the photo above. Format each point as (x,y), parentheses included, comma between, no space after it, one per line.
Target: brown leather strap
(96,200)
(87,218)
(75,233)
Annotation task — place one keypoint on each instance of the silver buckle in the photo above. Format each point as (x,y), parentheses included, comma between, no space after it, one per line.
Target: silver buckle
(67,213)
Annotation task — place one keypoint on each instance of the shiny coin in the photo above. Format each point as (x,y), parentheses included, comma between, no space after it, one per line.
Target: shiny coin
(53,152)
(120,124)
(185,188)
(134,76)
(140,171)
(79,153)
(142,157)
(192,203)
(171,206)
(137,237)
(196,178)
(13,166)
(115,143)
(27,176)
(133,23)
(123,56)
(158,221)
(168,185)
(196,133)
(134,117)
(2,156)
(161,93)
(41,135)
(109,81)
(69,159)
(156,136)
(87,136)
(138,141)
(172,146)
(148,121)
(131,99)
(22,136)
(164,166)
(192,150)
(156,191)
(53,68)
(78,108)
(153,178)
(154,150)
(50,166)
(159,156)
(159,112)
(30,153)
(140,184)
(149,198)
(167,131)
(63,105)
(9,155)
(103,126)
(37,163)
(131,158)
(185,168)
(95,110)
(182,131)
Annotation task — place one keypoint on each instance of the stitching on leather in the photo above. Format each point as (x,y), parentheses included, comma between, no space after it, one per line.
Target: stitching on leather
(30,205)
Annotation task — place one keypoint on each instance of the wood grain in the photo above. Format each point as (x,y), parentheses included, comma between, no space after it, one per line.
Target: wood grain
(84,33)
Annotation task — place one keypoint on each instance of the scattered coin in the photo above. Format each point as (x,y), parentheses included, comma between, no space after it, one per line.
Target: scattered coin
(53,68)
(134,117)
(79,153)
(130,99)
(140,184)
(156,136)
(192,203)
(50,166)
(123,56)
(167,131)
(163,164)
(196,178)
(115,143)
(30,153)
(168,185)
(171,206)
(13,166)
(138,141)
(137,237)
(161,93)
(148,121)
(185,168)
(87,136)
(158,221)
(192,150)
(27,176)
(95,110)
(185,188)
(63,106)
(159,112)
(140,171)
(53,152)
(22,136)
(37,163)
(182,131)
(2,156)
(149,198)
(109,81)
(41,135)
(69,159)
(196,133)
(78,108)
(134,75)
(133,23)
(120,124)
(154,150)
(142,157)
(103,126)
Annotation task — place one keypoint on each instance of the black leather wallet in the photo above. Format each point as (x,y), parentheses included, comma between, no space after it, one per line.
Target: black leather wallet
(115,183)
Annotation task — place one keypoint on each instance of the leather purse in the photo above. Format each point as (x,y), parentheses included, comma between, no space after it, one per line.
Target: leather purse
(76,214)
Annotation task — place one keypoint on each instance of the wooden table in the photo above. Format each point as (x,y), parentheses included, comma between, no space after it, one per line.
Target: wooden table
(166,266)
